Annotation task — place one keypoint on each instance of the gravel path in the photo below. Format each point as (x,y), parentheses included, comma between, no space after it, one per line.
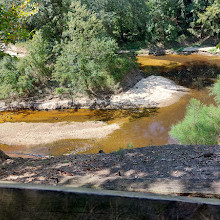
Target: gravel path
(170,169)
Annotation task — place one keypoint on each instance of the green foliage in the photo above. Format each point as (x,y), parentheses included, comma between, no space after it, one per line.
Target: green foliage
(10,28)
(154,20)
(8,76)
(162,25)
(2,54)
(201,125)
(50,19)
(121,151)
(12,21)
(35,69)
(130,20)
(76,41)
(23,76)
(88,60)
(210,20)
(38,58)
(125,20)
(216,90)
(14,80)
(130,146)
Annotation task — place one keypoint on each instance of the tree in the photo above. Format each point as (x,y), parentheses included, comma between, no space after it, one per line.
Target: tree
(50,19)
(8,76)
(201,124)
(210,20)
(12,21)
(24,76)
(88,55)
(36,64)
(125,20)
(162,25)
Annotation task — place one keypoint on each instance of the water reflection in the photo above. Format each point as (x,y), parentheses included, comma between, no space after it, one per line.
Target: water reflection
(192,71)
(149,128)
(153,130)
(140,128)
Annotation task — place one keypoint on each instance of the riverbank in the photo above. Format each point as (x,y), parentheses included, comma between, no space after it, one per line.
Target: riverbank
(150,92)
(171,169)
(20,51)
(186,50)
(135,90)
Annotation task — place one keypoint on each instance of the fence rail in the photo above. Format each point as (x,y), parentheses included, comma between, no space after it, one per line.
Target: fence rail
(19,201)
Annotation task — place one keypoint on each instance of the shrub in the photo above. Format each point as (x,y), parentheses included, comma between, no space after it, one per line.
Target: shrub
(88,62)
(216,90)
(35,69)
(37,61)
(201,125)
(25,75)
(8,76)
(14,80)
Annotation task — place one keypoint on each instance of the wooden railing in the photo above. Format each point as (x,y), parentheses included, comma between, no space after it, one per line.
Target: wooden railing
(47,202)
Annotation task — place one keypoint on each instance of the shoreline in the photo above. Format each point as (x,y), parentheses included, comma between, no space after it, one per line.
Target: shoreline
(188,50)
(14,50)
(150,92)
(55,102)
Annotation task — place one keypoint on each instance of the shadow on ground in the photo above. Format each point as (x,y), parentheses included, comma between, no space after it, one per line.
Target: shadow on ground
(170,169)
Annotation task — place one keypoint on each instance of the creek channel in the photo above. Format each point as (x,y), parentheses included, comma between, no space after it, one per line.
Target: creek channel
(138,128)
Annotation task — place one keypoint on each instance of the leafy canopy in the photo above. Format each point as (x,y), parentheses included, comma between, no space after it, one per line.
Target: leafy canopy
(12,21)
(87,53)
(210,19)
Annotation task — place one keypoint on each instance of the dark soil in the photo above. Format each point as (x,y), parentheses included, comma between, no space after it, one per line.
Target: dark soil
(3,156)
(171,169)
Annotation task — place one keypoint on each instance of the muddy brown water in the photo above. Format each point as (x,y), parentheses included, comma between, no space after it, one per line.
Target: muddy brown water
(139,128)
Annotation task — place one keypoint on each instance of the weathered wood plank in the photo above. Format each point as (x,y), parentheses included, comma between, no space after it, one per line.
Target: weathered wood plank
(46,202)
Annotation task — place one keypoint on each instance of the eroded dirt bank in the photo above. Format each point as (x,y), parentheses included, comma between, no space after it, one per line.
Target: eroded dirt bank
(170,169)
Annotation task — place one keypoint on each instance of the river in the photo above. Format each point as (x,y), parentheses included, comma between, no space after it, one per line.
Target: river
(137,128)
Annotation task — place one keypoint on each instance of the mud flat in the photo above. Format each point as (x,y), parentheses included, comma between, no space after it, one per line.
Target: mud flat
(42,133)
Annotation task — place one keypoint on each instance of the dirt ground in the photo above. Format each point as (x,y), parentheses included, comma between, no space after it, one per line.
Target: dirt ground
(170,169)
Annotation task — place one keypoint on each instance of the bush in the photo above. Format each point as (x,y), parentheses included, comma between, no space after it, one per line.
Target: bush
(35,69)
(13,80)
(8,76)
(216,90)
(88,62)
(201,124)
(37,61)
(25,75)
